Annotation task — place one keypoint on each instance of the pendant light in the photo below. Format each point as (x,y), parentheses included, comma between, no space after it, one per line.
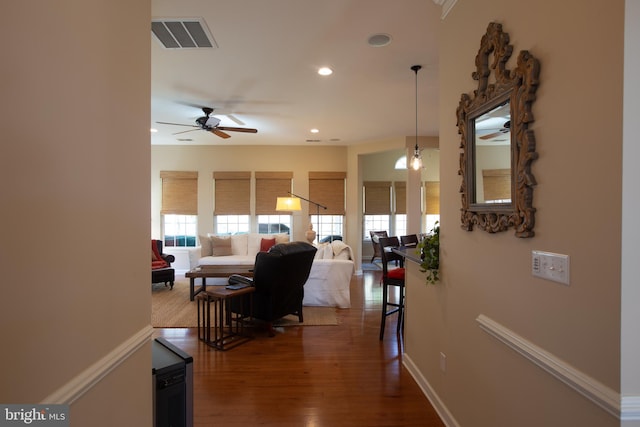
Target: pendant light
(416,160)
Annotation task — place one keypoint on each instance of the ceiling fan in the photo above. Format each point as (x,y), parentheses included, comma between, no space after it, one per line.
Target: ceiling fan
(210,124)
(505,129)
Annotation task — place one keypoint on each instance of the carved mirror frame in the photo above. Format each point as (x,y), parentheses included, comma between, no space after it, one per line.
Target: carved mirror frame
(518,87)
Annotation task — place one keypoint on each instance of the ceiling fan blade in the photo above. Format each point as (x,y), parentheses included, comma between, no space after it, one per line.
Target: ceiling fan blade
(233,129)
(176,124)
(235,119)
(220,133)
(491,135)
(184,131)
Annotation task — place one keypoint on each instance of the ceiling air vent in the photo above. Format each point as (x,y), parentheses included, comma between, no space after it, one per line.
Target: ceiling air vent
(182,33)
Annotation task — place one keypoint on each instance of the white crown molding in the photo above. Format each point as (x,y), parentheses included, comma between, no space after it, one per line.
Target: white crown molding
(83,382)
(590,388)
(447,5)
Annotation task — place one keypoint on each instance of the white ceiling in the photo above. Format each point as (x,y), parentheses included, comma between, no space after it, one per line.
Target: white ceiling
(264,71)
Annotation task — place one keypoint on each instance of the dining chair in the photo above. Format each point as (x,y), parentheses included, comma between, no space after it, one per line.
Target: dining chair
(375,235)
(409,240)
(391,277)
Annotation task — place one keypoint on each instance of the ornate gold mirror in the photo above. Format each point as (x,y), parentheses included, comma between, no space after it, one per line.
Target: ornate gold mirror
(496,142)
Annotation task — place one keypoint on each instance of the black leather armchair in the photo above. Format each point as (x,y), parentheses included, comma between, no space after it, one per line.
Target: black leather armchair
(279,277)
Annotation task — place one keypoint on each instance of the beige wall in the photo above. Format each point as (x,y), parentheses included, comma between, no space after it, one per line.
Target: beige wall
(75,304)
(578,131)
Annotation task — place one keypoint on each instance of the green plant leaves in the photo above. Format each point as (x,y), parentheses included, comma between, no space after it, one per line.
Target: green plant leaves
(429,251)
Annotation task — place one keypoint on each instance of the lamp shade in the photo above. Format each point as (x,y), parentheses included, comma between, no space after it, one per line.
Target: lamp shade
(288,204)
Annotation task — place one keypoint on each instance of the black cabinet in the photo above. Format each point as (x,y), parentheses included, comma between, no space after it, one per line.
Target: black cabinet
(172,371)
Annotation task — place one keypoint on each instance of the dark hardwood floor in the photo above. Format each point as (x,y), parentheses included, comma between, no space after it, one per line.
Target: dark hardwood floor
(314,376)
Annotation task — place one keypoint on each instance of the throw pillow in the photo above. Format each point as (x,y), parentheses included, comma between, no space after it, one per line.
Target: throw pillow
(155,265)
(282,238)
(205,246)
(220,246)
(266,244)
(155,255)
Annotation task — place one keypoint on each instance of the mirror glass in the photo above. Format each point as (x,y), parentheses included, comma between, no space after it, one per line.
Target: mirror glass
(492,156)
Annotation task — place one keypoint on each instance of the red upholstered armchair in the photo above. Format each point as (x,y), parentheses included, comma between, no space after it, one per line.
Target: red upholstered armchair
(161,270)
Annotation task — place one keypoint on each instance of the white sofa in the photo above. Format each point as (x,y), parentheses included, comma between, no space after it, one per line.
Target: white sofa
(328,283)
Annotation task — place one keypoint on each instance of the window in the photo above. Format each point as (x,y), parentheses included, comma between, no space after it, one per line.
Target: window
(180,230)
(270,186)
(375,223)
(432,204)
(179,208)
(232,195)
(231,224)
(377,207)
(328,189)
(496,186)
(400,224)
(273,224)
(330,226)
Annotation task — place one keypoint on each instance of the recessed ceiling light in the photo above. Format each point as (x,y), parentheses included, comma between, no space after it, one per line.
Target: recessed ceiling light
(379,40)
(315,130)
(325,71)
(153,130)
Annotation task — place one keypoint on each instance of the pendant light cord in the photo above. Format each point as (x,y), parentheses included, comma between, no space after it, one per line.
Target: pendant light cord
(415,69)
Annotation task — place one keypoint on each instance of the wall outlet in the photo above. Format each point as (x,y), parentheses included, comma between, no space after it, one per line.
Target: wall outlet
(443,362)
(550,266)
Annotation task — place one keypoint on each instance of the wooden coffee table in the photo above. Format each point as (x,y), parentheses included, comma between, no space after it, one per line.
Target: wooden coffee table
(207,271)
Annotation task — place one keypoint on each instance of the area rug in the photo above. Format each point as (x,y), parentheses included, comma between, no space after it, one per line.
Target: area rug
(172,309)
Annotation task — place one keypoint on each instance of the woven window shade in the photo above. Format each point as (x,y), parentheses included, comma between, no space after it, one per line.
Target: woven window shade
(327,188)
(400,189)
(496,184)
(270,186)
(179,193)
(432,197)
(232,193)
(377,197)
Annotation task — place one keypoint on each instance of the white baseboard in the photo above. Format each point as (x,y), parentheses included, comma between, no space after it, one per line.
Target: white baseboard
(630,408)
(83,382)
(446,416)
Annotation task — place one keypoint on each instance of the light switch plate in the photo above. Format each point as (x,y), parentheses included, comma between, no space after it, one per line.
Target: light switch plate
(550,266)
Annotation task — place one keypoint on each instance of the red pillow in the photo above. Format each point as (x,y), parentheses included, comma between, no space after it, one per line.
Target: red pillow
(155,255)
(155,265)
(396,273)
(266,244)
(156,259)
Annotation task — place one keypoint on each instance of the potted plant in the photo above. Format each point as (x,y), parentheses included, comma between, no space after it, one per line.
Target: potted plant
(429,250)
